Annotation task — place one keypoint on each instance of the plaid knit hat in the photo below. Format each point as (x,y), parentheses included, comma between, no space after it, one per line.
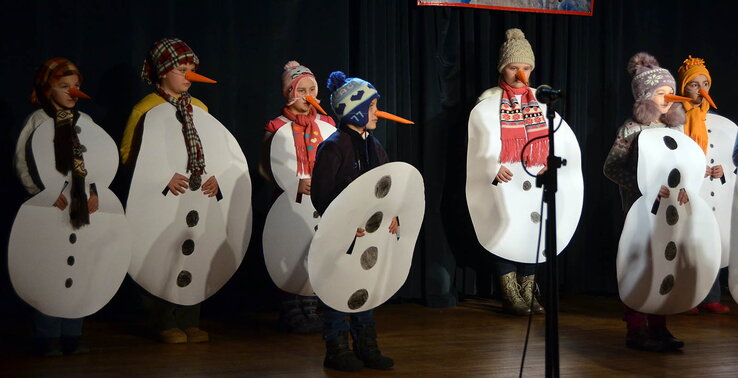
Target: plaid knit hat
(648,76)
(47,74)
(351,98)
(164,56)
(293,74)
(515,49)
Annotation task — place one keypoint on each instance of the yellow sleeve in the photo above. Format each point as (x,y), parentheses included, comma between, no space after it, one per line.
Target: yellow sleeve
(143,106)
(200,104)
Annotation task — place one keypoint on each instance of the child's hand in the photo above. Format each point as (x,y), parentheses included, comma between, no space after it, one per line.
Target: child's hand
(394,225)
(61,202)
(504,174)
(664,192)
(717,171)
(92,203)
(210,187)
(178,184)
(304,186)
(708,171)
(360,232)
(683,197)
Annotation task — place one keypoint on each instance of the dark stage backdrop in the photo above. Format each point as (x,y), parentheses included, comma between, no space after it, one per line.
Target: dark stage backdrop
(429,64)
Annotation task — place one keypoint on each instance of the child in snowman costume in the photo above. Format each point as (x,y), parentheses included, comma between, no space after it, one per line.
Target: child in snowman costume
(651,86)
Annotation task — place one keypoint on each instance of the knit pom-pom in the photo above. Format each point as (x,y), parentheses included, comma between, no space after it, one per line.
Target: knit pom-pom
(675,116)
(514,33)
(646,111)
(336,80)
(291,64)
(642,59)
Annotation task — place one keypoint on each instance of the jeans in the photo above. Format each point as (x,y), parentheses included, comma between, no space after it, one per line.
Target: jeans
(334,322)
(45,326)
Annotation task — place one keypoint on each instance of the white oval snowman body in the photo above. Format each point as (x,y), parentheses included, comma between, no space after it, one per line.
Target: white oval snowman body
(187,246)
(58,270)
(353,274)
(718,193)
(506,216)
(290,225)
(668,254)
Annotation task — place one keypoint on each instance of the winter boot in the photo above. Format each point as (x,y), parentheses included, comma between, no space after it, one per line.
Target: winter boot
(512,302)
(663,335)
(47,347)
(365,347)
(338,356)
(313,321)
(641,339)
(528,290)
(73,345)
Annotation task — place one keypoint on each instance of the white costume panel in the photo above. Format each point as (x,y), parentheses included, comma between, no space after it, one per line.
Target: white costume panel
(187,247)
(668,261)
(58,270)
(718,193)
(353,274)
(733,263)
(290,225)
(506,216)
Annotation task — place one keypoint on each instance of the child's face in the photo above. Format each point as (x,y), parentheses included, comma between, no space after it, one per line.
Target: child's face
(658,98)
(304,88)
(692,89)
(174,82)
(372,123)
(508,74)
(60,97)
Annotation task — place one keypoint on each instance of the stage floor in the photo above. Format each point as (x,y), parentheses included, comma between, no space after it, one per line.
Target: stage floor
(473,339)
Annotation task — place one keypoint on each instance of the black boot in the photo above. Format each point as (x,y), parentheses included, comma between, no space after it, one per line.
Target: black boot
(662,334)
(338,356)
(296,316)
(640,338)
(367,350)
(73,345)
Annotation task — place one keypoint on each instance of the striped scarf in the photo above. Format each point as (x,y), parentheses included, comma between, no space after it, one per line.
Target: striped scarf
(195,154)
(521,121)
(306,133)
(68,154)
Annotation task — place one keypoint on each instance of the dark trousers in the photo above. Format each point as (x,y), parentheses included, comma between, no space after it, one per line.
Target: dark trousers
(45,326)
(334,322)
(635,319)
(501,267)
(165,315)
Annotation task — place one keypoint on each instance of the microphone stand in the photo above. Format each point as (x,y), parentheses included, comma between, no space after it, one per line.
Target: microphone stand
(549,181)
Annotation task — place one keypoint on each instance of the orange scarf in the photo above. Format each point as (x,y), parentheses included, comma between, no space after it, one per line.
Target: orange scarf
(695,125)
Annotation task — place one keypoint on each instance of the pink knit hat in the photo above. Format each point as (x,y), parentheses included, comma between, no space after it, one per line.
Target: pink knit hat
(291,77)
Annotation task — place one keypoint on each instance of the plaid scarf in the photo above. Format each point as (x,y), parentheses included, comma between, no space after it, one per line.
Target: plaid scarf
(306,133)
(68,153)
(521,121)
(195,154)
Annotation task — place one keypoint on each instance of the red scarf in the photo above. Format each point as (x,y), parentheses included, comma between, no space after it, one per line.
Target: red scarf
(521,121)
(307,138)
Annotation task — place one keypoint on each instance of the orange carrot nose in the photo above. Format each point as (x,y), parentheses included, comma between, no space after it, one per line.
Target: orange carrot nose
(74,92)
(521,76)
(393,117)
(314,102)
(675,98)
(707,97)
(191,76)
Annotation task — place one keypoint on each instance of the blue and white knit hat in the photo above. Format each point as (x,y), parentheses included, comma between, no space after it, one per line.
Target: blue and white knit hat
(351,98)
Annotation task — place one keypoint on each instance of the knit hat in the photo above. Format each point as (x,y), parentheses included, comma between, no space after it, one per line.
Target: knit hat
(648,76)
(164,56)
(516,49)
(351,98)
(46,75)
(293,74)
(691,68)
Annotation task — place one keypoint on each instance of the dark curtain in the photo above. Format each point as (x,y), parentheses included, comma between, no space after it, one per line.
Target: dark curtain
(428,63)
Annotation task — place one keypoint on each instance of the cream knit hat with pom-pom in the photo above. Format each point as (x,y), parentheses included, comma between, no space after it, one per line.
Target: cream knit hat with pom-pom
(516,49)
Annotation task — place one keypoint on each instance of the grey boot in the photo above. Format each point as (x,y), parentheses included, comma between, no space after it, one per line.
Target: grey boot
(512,302)
(298,315)
(338,356)
(528,290)
(367,350)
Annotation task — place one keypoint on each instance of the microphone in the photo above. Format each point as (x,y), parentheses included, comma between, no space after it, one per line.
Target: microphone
(548,95)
